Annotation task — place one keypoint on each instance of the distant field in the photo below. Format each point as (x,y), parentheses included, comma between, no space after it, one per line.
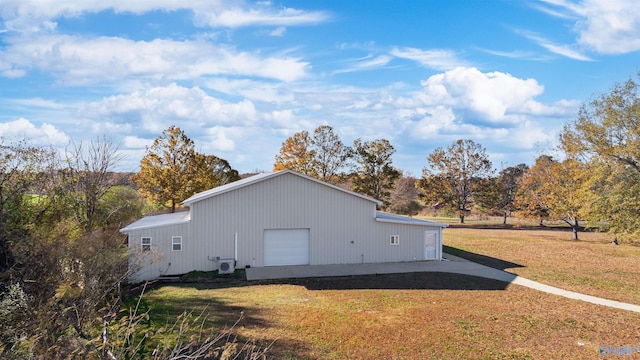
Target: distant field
(434,315)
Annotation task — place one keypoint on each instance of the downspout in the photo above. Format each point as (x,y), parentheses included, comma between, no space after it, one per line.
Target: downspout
(235,247)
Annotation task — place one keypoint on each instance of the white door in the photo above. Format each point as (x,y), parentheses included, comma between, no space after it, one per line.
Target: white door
(286,247)
(430,245)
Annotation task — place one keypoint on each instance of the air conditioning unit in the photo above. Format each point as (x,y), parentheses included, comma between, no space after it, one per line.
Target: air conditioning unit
(226,266)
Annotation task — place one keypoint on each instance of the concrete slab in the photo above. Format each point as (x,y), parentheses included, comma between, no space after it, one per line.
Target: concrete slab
(451,264)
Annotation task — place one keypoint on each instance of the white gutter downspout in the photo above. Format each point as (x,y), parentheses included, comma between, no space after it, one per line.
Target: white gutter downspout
(235,247)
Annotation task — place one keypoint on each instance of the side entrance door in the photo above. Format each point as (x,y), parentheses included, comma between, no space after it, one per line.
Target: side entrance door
(431,244)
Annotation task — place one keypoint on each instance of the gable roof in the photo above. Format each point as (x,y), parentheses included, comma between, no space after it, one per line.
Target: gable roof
(262,177)
(401,219)
(153,221)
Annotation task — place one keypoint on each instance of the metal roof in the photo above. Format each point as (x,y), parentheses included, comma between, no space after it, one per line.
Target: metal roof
(262,177)
(153,221)
(401,219)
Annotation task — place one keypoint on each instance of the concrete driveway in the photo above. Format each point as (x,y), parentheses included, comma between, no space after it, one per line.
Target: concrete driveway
(451,264)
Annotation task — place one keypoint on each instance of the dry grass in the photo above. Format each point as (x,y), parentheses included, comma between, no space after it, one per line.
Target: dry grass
(592,265)
(435,315)
(378,323)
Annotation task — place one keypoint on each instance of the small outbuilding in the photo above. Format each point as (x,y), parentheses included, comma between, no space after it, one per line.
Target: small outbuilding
(276,219)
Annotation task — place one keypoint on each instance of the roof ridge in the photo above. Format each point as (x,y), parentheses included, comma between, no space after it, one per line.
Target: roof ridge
(262,177)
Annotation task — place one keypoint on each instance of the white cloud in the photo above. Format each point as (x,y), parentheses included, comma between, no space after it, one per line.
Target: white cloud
(32,16)
(494,109)
(222,139)
(22,128)
(252,90)
(134,142)
(279,31)
(563,50)
(367,63)
(237,17)
(36,102)
(607,27)
(155,109)
(493,96)
(437,59)
(79,60)
(283,118)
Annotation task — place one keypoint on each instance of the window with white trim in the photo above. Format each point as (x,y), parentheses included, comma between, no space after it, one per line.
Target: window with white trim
(145,243)
(395,240)
(176,243)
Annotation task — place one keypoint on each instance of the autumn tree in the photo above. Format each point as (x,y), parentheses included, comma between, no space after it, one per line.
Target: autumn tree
(553,189)
(322,156)
(172,170)
(209,171)
(374,174)
(297,154)
(499,193)
(449,180)
(606,136)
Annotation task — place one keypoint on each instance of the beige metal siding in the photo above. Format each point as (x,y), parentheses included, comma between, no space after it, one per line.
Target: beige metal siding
(342,226)
(161,260)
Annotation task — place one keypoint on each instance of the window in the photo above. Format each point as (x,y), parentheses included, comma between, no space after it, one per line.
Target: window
(395,240)
(176,243)
(146,243)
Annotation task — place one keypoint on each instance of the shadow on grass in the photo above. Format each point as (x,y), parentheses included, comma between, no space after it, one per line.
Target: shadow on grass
(407,281)
(480,259)
(167,302)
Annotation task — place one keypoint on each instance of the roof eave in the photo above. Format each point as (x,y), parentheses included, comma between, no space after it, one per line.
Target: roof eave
(128,229)
(412,222)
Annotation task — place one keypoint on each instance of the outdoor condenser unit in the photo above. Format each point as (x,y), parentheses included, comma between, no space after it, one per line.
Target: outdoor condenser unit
(226,266)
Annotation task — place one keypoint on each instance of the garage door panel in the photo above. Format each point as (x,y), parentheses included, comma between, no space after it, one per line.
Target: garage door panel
(286,247)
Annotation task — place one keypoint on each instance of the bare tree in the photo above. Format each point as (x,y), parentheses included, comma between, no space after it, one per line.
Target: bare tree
(88,171)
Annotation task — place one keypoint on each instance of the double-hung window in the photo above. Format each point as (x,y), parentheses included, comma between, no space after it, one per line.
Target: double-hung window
(145,243)
(176,243)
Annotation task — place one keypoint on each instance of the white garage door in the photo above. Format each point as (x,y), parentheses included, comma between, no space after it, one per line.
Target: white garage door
(286,247)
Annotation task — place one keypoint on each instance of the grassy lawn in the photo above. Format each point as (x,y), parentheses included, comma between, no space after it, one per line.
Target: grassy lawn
(434,315)
(592,265)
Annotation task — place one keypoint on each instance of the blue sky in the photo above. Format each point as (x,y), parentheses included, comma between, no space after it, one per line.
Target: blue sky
(239,77)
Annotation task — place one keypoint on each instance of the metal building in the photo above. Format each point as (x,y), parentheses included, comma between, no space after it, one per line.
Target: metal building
(274,219)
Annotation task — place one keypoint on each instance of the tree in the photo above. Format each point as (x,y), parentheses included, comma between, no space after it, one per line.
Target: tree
(88,173)
(330,154)
(452,174)
(296,154)
(606,136)
(172,170)
(404,196)
(322,156)
(209,171)
(27,189)
(164,170)
(374,174)
(553,189)
(499,193)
